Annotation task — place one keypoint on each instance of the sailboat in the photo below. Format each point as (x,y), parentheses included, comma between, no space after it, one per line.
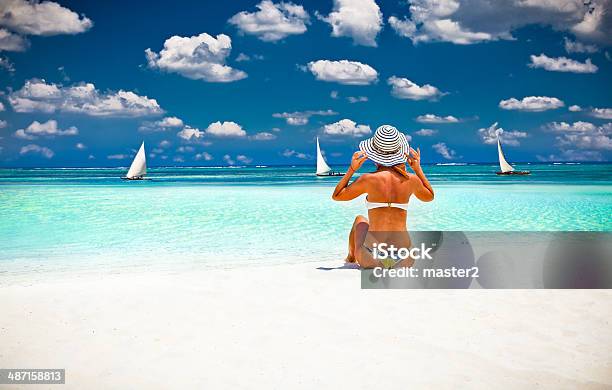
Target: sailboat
(322,168)
(139,166)
(506,169)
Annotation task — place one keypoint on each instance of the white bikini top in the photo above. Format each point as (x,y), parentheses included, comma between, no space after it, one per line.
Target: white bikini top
(375,205)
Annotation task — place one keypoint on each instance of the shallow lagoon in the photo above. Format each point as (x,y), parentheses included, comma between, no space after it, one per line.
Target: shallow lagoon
(191,217)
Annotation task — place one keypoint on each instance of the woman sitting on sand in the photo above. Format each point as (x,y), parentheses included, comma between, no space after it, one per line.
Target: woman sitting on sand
(388,190)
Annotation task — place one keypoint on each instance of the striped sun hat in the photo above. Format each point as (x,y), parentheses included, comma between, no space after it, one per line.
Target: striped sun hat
(388,147)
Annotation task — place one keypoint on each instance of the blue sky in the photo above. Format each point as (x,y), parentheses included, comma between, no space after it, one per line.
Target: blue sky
(80,88)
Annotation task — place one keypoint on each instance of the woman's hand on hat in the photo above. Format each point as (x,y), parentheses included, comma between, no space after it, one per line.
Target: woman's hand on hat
(414,159)
(358,159)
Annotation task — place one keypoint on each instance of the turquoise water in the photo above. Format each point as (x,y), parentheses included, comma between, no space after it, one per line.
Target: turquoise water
(190,217)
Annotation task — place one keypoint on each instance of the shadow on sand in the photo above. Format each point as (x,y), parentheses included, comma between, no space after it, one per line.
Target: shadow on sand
(344,266)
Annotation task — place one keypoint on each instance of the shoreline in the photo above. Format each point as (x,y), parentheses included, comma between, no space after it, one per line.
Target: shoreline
(296,325)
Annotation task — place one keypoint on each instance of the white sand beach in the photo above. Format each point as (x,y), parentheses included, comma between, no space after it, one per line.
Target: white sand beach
(294,326)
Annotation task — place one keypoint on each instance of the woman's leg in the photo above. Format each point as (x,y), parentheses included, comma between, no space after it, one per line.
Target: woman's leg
(357,237)
(360,219)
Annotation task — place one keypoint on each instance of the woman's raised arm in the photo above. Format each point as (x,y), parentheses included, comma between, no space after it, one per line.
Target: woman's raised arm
(345,191)
(423,190)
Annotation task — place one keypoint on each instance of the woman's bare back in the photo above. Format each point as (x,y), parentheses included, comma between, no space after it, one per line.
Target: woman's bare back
(387,186)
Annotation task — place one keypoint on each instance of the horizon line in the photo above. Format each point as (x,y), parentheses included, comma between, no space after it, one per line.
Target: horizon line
(295,165)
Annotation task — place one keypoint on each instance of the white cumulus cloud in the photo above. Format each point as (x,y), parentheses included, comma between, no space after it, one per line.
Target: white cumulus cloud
(531,103)
(185,149)
(489,135)
(19,18)
(272,22)
(164,124)
(357,99)
(225,129)
(38,96)
(170,121)
(245,57)
(41,18)
(203,156)
(346,127)
(474,21)
(343,72)
(403,88)
(562,64)
(12,42)
(47,129)
(426,132)
(37,149)
(574,108)
(582,135)
(403,27)
(360,20)
(200,57)
(244,159)
(432,118)
(6,64)
(446,152)
(580,127)
(189,133)
(228,159)
(431,21)
(290,153)
(118,156)
(263,136)
(602,113)
(298,118)
(578,47)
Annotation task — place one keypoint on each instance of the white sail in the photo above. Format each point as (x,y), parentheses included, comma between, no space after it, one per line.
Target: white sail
(322,167)
(139,165)
(503,164)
